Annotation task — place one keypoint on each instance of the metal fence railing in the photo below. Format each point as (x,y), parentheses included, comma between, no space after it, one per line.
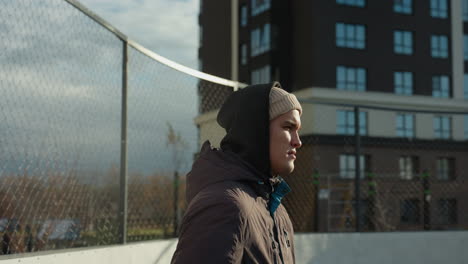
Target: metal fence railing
(97,134)
(412,166)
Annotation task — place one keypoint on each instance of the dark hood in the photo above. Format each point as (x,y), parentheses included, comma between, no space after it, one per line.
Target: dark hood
(245,117)
(215,166)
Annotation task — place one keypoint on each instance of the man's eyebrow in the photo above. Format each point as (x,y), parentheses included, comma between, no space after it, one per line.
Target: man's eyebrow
(291,123)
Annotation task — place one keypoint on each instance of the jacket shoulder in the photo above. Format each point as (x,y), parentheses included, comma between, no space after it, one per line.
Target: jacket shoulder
(213,226)
(235,196)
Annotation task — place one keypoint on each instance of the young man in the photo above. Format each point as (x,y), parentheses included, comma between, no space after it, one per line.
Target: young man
(234,213)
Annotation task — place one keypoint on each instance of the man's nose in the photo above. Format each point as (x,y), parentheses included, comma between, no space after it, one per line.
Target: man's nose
(296,141)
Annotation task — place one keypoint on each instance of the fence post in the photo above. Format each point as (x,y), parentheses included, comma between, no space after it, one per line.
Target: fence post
(426,201)
(176,203)
(123,152)
(357,166)
(371,200)
(316,182)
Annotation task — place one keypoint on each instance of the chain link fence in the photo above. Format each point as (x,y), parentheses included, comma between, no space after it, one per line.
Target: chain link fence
(97,135)
(59,127)
(412,170)
(81,108)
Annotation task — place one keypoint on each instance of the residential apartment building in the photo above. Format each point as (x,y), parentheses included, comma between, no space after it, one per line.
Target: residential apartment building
(404,62)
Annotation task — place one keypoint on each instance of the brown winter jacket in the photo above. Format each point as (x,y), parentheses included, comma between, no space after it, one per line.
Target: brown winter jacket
(227,220)
(229,191)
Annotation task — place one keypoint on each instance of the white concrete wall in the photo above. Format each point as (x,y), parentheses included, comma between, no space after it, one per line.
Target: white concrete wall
(351,248)
(458,127)
(424,126)
(457,48)
(209,129)
(321,119)
(383,248)
(155,252)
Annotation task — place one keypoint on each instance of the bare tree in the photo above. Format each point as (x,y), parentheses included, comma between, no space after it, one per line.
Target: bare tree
(382,207)
(178,146)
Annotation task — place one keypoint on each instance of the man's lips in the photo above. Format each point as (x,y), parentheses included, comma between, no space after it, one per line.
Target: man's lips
(292,154)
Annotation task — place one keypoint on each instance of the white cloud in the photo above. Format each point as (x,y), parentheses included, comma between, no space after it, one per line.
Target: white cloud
(167,27)
(60,82)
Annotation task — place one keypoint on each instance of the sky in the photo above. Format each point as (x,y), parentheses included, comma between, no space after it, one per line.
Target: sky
(167,27)
(61,82)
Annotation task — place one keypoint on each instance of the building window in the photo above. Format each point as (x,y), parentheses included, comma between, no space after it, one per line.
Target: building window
(403,82)
(445,169)
(442,127)
(260,40)
(466,126)
(465,10)
(350,36)
(408,167)
(261,75)
(465,86)
(348,166)
(440,86)
(439,8)
(465,47)
(405,125)
(243,15)
(358,3)
(345,122)
(447,211)
(409,211)
(255,42)
(403,42)
(439,46)
(244,54)
(200,36)
(403,6)
(350,78)
(259,6)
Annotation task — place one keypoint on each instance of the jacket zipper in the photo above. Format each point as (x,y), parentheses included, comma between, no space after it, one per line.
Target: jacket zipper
(276,238)
(276,232)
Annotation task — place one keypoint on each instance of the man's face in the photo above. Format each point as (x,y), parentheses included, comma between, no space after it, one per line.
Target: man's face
(284,140)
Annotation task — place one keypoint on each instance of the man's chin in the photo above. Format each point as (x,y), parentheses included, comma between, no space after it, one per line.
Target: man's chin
(291,167)
(285,170)
(289,170)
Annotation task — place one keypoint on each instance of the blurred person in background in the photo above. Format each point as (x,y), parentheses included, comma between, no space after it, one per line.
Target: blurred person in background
(28,239)
(234,213)
(6,243)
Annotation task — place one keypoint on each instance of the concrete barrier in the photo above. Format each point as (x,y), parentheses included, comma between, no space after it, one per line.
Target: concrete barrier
(154,252)
(383,248)
(350,248)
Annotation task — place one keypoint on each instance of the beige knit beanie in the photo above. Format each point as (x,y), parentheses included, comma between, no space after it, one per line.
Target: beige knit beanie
(282,102)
